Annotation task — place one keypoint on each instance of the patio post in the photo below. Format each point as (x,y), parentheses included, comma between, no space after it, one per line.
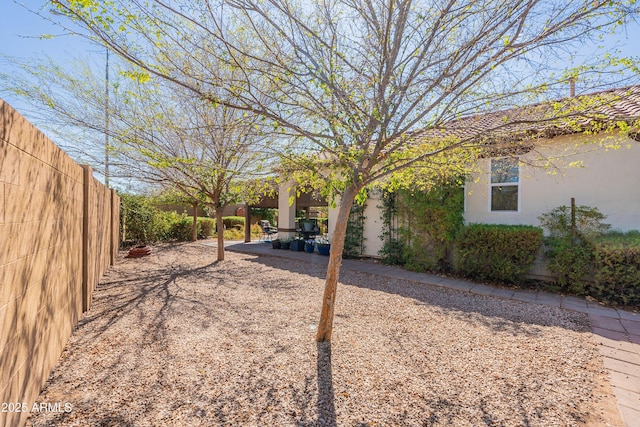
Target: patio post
(286,209)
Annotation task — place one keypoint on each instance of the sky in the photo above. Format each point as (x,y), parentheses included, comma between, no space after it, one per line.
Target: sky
(20,31)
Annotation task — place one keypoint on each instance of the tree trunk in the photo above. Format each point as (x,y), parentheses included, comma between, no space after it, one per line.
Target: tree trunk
(247,223)
(220,229)
(325,327)
(194,227)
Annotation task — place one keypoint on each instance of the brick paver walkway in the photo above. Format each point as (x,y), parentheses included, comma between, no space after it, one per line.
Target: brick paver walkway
(617,332)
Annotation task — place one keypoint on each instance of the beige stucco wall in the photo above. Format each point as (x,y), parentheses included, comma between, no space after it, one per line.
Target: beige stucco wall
(41,255)
(372,225)
(608,179)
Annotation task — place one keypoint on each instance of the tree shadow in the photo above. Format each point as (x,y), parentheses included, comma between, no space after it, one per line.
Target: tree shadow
(326,404)
(463,305)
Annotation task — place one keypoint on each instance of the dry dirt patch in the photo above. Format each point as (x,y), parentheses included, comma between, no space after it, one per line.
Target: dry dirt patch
(178,339)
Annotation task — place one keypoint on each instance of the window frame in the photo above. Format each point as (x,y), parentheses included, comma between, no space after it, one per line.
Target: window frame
(515,183)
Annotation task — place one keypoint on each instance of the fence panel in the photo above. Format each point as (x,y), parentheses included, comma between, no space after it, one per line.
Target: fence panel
(50,212)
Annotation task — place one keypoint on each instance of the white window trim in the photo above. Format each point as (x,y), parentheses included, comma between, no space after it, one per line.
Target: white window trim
(504,184)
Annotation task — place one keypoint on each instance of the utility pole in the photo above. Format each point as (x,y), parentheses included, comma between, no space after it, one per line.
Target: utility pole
(106,123)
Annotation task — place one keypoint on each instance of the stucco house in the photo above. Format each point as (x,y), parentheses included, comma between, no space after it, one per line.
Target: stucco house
(534,163)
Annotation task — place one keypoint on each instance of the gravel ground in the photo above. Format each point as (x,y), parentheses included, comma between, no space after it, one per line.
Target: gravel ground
(179,339)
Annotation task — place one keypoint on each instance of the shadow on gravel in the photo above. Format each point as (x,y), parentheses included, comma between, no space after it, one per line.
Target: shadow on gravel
(326,405)
(493,312)
(132,295)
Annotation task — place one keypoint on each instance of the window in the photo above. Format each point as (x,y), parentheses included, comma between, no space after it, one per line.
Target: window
(505,178)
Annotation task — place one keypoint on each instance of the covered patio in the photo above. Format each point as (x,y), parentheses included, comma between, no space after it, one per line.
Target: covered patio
(287,202)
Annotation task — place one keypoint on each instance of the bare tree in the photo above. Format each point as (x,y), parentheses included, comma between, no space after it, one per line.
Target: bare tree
(66,101)
(212,154)
(160,133)
(355,78)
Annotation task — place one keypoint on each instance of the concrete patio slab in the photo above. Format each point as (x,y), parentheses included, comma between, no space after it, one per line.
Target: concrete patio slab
(525,296)
(549,299)
(629,315)
(631,326)
(603,311)
(502,293)
(481,289)
(620,366)
(615,343)
(607,333)
(622,355)
(573,303)
(630,416)
(625,398)
(609,323)
(625,381)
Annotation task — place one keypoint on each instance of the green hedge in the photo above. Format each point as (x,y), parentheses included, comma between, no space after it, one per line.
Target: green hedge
(206,227)
(497,252)
(180,227)
(233,222)
(143,222)
(617,269)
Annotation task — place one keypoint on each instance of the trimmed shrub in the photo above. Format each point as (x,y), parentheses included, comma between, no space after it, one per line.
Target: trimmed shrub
(143,222)
(206,226)
(572,260)
(180,227)
(497,252)
(233,222)
(617,269)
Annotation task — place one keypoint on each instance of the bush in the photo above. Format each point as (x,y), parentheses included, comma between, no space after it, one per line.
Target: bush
(433,221)
(206,226)
(142,221)
(570,251)
(233,222)
(588,222)
(419,227)
(497,252)
(617,269)
(256,230)
(179,227)
(572,261)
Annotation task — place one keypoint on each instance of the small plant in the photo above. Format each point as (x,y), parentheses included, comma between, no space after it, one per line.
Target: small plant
(588,222)
(309,245)
(322,241)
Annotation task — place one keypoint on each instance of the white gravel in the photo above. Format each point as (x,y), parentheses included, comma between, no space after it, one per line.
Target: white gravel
(178,339)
